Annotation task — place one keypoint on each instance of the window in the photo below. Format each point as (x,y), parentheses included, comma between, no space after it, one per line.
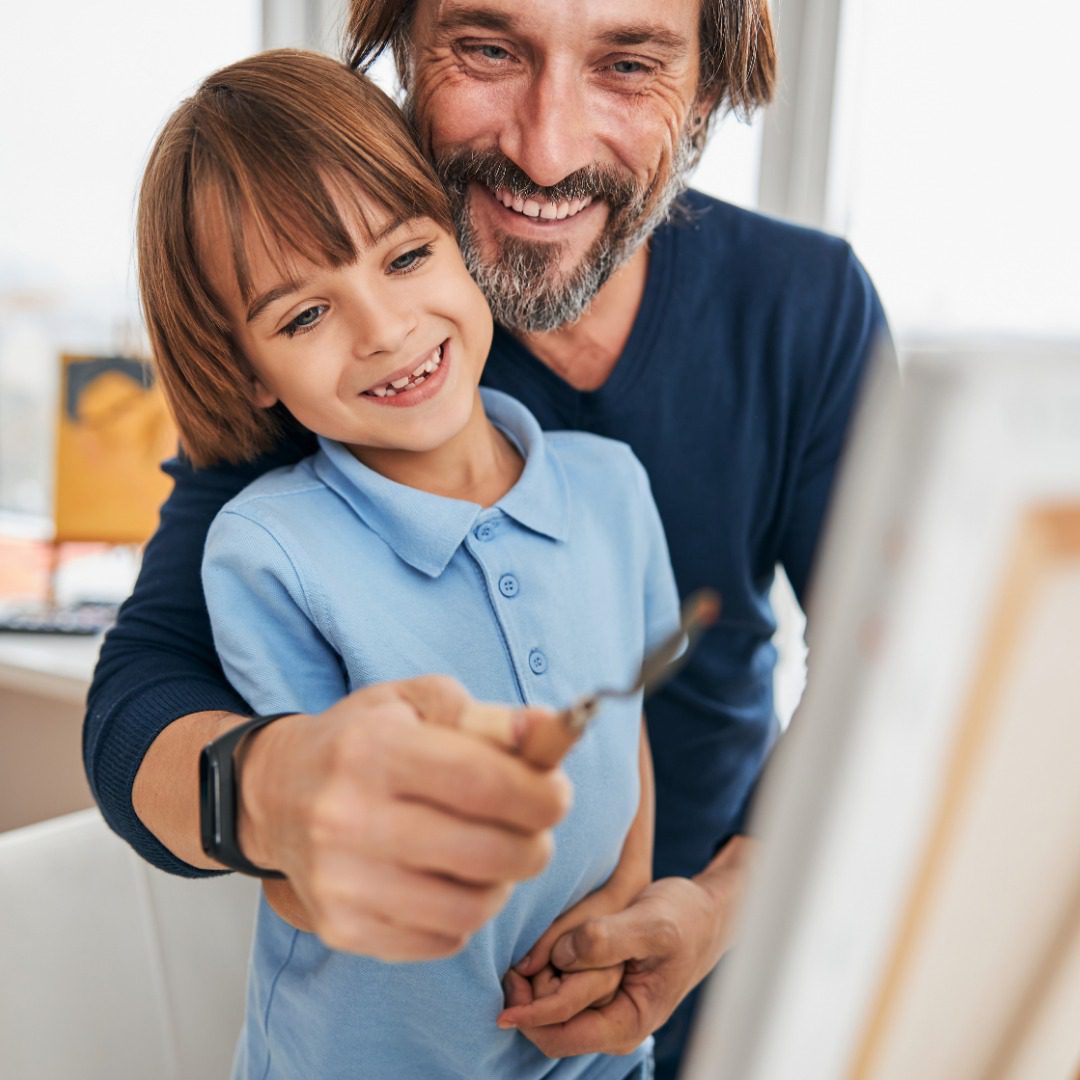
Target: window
(85,88)
(955,172)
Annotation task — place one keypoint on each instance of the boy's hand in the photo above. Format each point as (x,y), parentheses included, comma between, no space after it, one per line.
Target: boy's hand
(669,938)
(553,996)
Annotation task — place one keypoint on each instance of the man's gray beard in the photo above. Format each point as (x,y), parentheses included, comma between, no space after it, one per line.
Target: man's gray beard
(526,290)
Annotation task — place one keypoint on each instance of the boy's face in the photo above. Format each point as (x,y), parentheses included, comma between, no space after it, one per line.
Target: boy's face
(383,354)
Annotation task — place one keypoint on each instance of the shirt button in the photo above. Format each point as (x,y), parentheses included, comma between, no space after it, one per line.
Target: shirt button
(484,531)
(508,585)
(537,662)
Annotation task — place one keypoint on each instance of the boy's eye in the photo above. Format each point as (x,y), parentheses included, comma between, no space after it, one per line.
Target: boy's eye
(410,260)
(307,318)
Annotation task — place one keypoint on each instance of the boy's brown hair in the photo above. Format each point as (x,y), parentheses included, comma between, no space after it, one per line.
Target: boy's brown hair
(281,140)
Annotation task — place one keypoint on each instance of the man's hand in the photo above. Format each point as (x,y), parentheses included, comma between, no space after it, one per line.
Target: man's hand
(401,832)
(669,938)
(559,996)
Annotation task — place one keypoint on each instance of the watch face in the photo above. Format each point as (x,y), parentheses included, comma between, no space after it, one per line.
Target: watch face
(210,802)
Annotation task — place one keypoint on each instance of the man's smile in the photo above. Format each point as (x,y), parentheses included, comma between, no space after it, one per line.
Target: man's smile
(541,208)
(539,217)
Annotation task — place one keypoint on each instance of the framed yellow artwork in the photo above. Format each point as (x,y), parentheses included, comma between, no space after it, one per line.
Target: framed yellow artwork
(113,432)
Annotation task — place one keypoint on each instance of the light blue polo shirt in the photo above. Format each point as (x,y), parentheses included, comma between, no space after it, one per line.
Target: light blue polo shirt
(325,577)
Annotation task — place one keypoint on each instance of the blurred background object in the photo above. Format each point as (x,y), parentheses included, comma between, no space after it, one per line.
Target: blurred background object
(113,430)
(914,910)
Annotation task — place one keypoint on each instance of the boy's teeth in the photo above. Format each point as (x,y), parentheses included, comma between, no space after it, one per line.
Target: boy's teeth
(418,376)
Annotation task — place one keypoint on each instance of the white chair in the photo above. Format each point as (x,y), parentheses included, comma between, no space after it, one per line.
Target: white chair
(110,969)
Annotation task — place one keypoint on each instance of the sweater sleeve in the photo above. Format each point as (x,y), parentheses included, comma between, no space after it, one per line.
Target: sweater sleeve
(856,326)
(158,663)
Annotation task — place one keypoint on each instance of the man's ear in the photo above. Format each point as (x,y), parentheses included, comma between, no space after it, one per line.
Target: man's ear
(263,397)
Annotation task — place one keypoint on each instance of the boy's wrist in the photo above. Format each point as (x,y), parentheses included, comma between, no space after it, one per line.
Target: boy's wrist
(629,878)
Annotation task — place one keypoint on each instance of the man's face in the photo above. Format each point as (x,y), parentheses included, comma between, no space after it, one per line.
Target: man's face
(561,128)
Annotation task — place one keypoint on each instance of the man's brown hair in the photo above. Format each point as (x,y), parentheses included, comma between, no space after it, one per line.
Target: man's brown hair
(738,51)
(288,143)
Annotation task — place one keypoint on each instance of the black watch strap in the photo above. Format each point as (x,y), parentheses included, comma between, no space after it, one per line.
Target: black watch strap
(218,798)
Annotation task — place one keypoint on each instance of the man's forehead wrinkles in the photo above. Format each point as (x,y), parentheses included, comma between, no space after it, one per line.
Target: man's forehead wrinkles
(452,16)
(462,16)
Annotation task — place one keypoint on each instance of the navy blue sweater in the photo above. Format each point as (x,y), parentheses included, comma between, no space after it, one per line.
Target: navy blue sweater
(734,389)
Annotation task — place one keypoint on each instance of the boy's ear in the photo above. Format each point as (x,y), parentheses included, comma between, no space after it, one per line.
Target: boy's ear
(263,397)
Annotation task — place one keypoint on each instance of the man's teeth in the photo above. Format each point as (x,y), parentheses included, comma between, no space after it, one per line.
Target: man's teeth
(548,211)
(409,382)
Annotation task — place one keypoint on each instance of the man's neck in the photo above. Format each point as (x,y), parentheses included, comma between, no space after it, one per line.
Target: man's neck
(585,353)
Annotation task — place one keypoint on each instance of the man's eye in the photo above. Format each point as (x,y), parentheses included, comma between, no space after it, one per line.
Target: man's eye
(629,67)
(410,260)
(306,319)
(478,50)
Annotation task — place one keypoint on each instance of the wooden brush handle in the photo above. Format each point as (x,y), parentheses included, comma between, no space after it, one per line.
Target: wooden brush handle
(544,744)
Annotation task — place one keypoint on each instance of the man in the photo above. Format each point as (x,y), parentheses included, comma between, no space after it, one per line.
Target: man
(725,348)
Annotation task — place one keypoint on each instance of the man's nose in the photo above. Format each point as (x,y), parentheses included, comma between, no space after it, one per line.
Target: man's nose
(549,134)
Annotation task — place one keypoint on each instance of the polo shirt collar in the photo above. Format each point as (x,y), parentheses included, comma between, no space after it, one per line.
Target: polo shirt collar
(425,530)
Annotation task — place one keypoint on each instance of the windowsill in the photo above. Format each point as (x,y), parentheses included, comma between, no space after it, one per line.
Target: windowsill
(51,666)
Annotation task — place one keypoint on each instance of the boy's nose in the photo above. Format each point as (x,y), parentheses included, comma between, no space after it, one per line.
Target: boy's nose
(381,328)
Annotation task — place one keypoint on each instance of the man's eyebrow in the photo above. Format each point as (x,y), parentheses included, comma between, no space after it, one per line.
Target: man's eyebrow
(458,18)
(283,288)
(645,34)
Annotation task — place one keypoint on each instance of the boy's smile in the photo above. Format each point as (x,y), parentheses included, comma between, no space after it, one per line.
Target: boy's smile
(402,387)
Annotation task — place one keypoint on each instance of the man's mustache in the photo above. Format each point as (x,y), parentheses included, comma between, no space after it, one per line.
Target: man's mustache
(494,170)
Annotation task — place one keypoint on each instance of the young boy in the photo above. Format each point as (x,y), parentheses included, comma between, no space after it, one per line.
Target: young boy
(297,263)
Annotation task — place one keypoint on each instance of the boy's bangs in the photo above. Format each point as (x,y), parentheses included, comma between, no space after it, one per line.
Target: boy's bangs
(322,207)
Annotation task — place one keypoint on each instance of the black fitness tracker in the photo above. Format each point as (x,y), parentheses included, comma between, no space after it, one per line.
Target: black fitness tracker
(218,798)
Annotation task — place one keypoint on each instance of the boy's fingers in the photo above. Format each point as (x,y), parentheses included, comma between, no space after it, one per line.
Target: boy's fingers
(517,991)
(577,993)
(546,981)
(539,955)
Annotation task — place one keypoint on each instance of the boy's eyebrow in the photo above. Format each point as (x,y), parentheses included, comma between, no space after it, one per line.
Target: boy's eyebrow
(283,288)
(264,300)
